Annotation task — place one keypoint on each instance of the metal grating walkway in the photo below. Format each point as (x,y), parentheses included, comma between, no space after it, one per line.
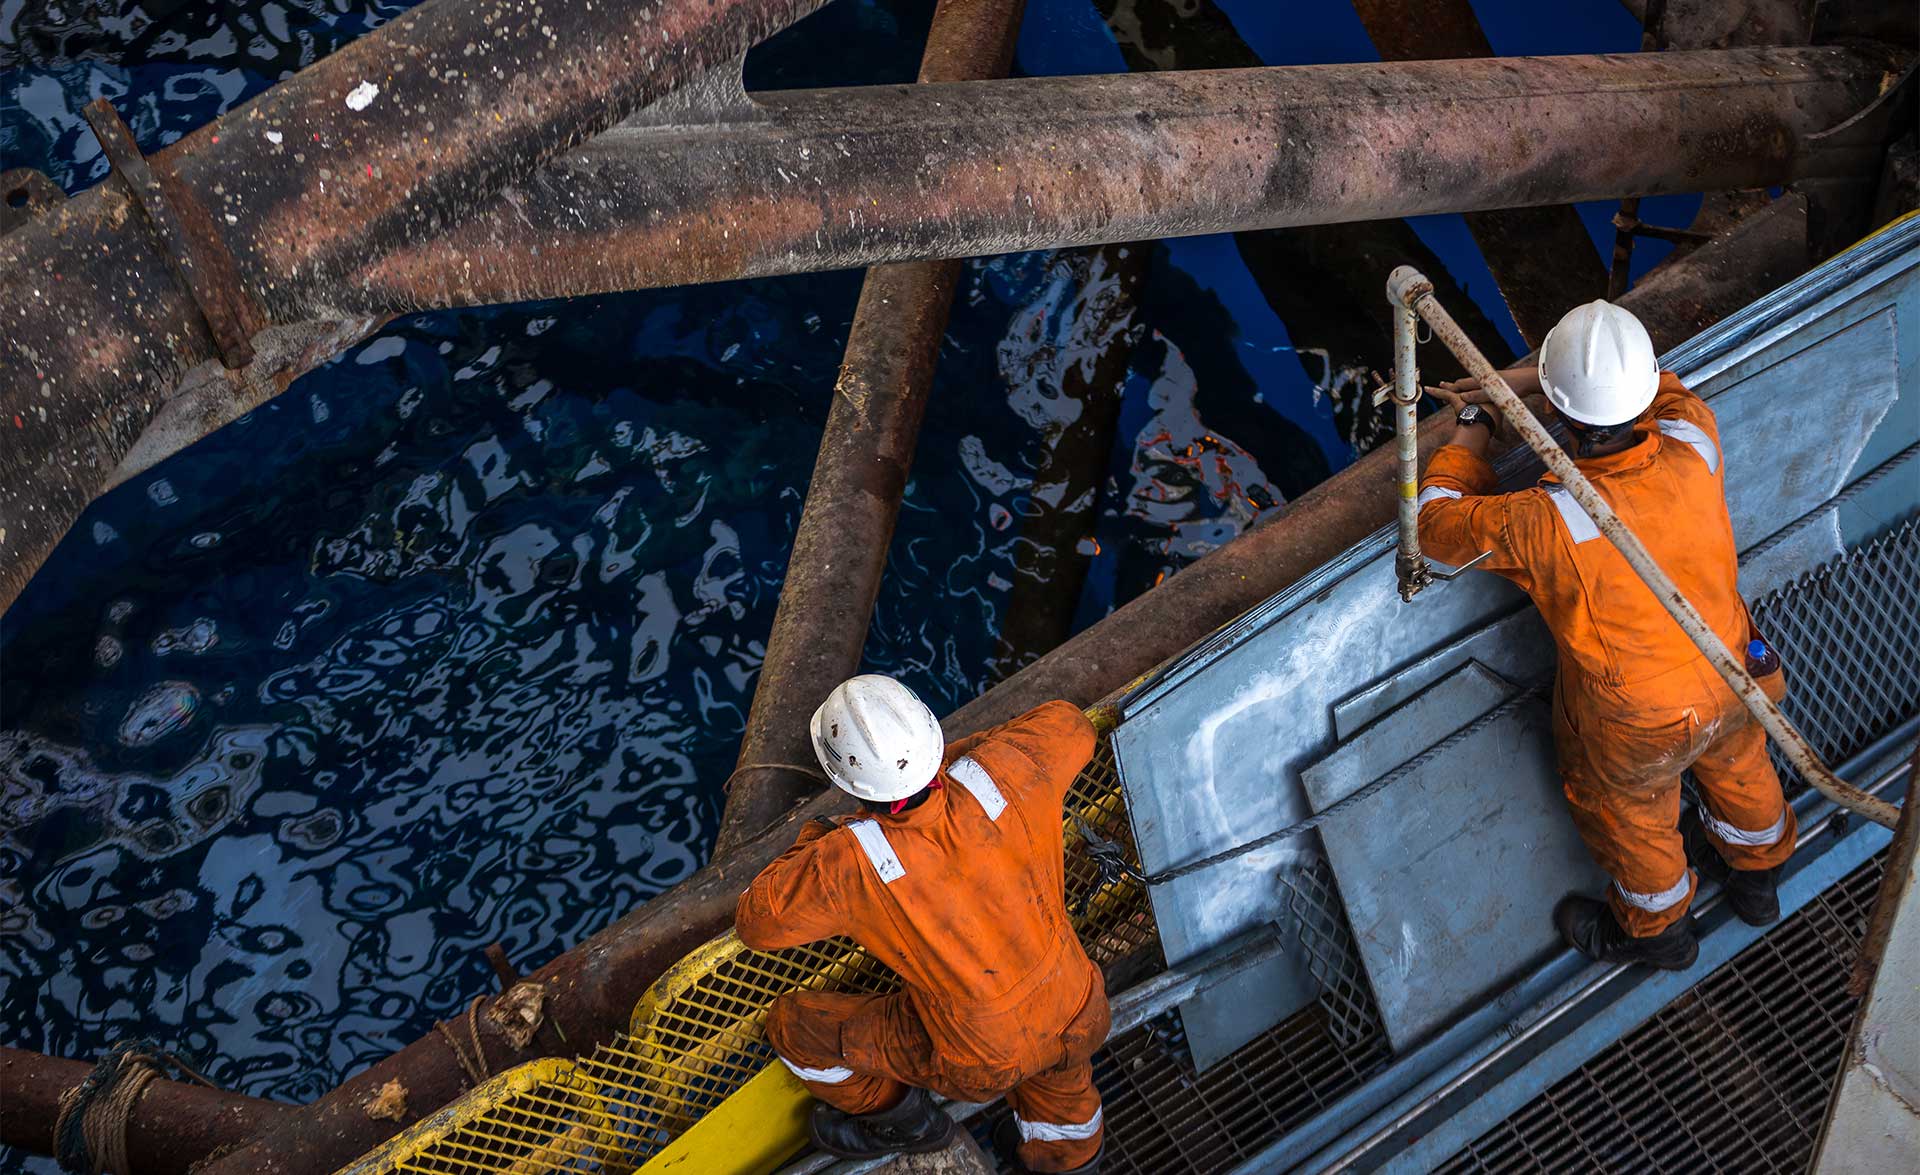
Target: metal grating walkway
(1732,1077)
(1849,634)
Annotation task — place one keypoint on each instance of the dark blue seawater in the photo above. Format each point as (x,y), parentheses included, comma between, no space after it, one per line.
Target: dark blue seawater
(453,642)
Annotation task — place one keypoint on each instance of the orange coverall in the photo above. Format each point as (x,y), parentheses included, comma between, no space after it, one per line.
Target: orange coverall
(964,897)
(1635,703)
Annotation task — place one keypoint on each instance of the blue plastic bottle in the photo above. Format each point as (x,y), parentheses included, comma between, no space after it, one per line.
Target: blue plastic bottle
(1761,659)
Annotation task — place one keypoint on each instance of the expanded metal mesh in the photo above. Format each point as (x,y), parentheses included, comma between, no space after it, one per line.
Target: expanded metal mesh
(698,1037)
(1732,1077)
(1849,636)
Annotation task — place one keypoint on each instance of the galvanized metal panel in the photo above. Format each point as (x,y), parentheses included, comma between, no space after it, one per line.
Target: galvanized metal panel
(1517,647)
(1858,370)
(1210,767)
(1464,694)
(1451,874)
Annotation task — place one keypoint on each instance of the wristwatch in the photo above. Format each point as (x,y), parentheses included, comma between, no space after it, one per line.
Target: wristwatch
(1475,414)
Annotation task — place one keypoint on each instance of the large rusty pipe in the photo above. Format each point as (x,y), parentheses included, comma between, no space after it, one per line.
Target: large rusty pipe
(846,526)
(592,987)
(831,179)
(267,210)
(171,1126)
(1541,258)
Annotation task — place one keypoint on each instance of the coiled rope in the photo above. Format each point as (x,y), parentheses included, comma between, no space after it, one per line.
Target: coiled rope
(90,1133)
(476,1064)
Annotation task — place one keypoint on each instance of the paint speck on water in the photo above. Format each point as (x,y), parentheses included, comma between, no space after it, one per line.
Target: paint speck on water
(162,710)
(390,347)
(160,492)
(195,638)
(362,96)
(274,137)
(319,408)
(104,534)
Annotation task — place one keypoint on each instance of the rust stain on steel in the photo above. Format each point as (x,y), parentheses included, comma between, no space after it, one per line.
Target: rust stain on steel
(400,132)
(853,501)
(424,119)
(197,256)
(893,173)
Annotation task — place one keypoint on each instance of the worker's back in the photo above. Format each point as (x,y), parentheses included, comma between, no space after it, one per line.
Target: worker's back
(962,895)
(1668,488)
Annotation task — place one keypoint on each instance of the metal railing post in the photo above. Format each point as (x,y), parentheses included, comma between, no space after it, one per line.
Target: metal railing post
(1409,565)
(1412,290)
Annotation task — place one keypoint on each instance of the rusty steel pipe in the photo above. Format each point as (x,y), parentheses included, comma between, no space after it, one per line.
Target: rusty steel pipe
(831,179)
(1541,258)
(172,1126)
(593,986)
(859,477)
(260,216)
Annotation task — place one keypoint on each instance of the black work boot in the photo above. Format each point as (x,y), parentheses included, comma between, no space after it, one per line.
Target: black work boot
(1006,1144)
(1752,894)
(1590,928)
(913,1127)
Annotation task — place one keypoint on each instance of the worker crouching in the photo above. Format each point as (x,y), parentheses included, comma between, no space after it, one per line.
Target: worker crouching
(954,877)
(1635,702)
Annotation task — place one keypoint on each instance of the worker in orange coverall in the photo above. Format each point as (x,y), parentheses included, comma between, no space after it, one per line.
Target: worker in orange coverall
(954,876)
(1635,702)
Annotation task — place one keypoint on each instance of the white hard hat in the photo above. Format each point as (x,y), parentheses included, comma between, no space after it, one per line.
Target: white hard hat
(1597,365)
(876,740)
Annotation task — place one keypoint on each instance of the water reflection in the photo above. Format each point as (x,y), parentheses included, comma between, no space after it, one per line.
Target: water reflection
(452,643)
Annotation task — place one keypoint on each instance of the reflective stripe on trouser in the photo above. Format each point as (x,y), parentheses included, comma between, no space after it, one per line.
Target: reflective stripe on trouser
(881,1043)
(1621,774)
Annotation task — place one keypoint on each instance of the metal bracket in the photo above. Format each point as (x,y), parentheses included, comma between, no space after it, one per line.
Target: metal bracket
(1420,574)
(199,258)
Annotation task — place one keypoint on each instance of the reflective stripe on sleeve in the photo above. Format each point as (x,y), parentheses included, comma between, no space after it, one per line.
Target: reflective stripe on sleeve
(833,1076)
(1055,1132)
(1739,836)
(1433,494)
(879,852)
(974,778)
(1656,902)
(1579,524)
(1694,435)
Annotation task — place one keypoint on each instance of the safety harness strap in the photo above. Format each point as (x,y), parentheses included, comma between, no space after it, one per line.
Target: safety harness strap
(1694,435)
(879,853)
(974,778)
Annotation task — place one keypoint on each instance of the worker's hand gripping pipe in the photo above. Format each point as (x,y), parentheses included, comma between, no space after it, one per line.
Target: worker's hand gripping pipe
(1406,287)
